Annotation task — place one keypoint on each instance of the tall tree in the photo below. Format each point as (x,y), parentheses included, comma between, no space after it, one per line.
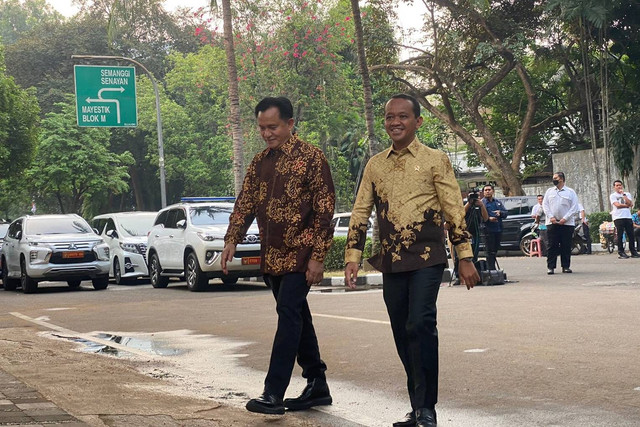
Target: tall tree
(18,124)
(474,47)
(234,97)
(74,164)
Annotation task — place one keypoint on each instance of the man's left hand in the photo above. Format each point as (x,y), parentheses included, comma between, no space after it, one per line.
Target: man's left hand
(315,271)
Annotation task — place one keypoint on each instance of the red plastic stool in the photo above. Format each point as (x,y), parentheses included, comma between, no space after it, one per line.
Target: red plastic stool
(535,247)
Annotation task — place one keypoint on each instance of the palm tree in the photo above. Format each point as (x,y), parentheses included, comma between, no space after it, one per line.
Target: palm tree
(234,97)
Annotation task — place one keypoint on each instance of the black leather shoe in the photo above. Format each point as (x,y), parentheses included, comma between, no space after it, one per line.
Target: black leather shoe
(316,393)
(635,255)
(425,418)
(549,270)
(567,270)
(622,255)
(408,420)
(266,404)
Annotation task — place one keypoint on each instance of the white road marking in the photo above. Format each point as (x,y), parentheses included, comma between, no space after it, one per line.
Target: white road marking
(59,308)
(42,318)
(476,350)
(355,319)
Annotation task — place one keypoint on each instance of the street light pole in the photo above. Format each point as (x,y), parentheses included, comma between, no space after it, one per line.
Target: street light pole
(163,189)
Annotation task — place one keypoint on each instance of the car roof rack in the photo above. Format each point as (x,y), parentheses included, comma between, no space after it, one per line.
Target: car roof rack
(207,199)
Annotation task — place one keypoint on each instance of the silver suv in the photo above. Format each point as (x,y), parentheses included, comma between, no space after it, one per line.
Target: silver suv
(53,247)
(187,240)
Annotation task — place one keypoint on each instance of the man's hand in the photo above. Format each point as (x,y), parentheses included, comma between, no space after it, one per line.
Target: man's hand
(468,274)
(493,219)
(227,255)
(553,220)
(562,221)
(351,274)
(315,271)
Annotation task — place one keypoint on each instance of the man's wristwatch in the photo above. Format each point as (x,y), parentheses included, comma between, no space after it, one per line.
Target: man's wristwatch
(470,259)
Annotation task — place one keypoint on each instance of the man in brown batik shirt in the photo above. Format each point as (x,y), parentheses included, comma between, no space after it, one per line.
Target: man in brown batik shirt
(412,186)
(288,188)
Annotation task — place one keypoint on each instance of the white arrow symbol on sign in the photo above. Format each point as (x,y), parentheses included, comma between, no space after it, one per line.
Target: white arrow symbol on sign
(101,99)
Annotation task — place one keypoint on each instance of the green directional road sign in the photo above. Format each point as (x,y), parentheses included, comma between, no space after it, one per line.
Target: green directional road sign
(105,96)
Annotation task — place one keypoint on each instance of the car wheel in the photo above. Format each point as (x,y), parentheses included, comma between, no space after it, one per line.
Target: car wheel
(9,283)
(100,283)
(196,279)
(74,284)
(229,280)
(117,274)
(29,285)
(157,281)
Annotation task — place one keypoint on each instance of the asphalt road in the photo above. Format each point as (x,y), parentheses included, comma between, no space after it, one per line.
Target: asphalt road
(541,350)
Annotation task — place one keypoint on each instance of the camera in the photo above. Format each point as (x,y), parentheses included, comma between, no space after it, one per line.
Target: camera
(473,195)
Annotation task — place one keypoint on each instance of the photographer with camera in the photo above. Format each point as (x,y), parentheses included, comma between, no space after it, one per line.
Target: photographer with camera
(475,214)
(493,226)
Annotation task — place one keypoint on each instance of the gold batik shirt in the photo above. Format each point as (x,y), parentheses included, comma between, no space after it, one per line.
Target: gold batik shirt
(290,192)
(413,190)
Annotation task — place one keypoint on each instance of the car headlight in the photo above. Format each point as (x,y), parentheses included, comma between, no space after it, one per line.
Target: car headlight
(129,247)
(102,251)
(208,237)
(39,254)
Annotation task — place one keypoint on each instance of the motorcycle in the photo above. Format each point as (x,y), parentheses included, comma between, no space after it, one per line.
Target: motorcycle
(578,241)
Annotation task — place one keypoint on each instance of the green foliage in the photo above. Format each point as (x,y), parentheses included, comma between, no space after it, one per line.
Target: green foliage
(18,124)
(595,219)
(74,165)
(335,257)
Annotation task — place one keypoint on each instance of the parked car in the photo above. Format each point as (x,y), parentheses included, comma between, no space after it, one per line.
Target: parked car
(126,234)
(53,247)
(187,240)
(340,223)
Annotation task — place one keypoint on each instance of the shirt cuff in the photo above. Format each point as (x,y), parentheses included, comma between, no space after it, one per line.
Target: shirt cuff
(352,255)
(463,250)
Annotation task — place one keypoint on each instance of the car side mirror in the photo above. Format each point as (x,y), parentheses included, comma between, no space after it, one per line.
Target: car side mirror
(112,233)
(182,224)
(19,235)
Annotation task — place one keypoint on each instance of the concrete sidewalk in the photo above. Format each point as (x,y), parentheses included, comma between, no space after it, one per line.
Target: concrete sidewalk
(23,406)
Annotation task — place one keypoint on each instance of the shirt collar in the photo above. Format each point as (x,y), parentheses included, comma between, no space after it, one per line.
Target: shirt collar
(287,147)
(412,148)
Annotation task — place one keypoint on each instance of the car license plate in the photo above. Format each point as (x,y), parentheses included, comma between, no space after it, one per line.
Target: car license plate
(73,254)
(251,260)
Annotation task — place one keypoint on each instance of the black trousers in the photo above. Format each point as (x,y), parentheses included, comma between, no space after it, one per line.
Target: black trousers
(625,225)
(493,245)
(295,335)
(636,233)
(560,242)
(410,298)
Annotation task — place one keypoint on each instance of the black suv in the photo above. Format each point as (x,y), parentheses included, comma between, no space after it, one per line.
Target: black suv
(518,222)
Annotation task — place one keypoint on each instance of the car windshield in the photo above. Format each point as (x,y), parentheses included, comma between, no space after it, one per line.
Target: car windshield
(38,226)
(138,225)
(210,215)
(3,230)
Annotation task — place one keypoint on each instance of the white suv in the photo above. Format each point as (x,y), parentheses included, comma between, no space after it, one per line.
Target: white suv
(187,240)
(53,247)
(126,234)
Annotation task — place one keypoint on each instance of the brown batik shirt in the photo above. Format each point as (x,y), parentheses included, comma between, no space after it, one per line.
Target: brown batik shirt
(290,192)
(412,189)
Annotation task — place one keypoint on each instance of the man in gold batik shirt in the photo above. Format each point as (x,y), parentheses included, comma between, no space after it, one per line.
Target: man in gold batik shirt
(288,188)
(413,189)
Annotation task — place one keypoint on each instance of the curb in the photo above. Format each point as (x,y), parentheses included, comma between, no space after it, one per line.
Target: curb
(374,279)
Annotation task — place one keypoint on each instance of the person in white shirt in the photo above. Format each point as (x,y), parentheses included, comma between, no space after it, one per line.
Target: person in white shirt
(621,214)
(560,205)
